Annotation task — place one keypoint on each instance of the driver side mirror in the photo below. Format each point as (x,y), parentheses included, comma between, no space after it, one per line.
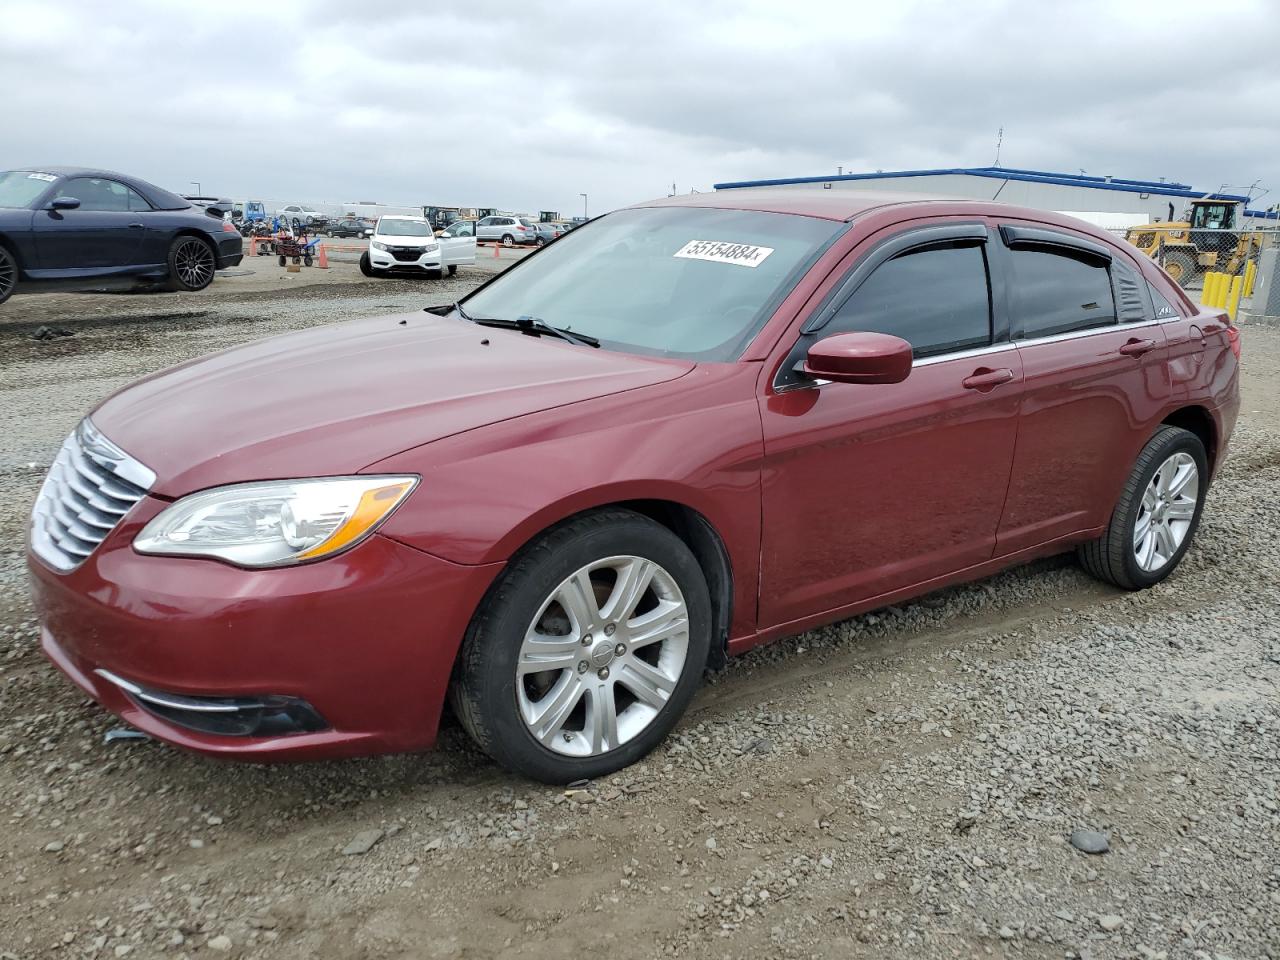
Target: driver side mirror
(64,203)
(859,358)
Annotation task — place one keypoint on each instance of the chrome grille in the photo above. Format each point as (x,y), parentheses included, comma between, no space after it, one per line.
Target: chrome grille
(90,487)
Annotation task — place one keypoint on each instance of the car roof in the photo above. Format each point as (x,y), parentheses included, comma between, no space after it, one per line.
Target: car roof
(402,216)
(158,197)
(848,205)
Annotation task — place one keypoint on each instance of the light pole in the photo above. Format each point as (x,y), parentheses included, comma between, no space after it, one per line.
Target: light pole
(196,184)
(584,205)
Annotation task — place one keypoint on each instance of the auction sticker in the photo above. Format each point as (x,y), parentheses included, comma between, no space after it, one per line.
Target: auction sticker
(719,251)
(46,177)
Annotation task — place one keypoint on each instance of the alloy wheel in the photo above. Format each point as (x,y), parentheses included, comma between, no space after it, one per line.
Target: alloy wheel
(602,656)
(8,274)
(1167,512)
(194,264)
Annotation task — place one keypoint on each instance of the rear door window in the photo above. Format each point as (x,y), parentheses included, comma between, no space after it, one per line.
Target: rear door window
(1056,290)
(936,298)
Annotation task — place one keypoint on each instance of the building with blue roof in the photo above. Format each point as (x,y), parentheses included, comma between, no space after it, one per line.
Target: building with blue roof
(1115,202)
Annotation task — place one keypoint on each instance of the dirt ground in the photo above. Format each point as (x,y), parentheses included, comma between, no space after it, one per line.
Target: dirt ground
(903,784)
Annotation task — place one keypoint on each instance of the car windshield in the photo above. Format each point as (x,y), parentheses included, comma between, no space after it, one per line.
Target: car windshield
(18,188)
(405,228)
(696,283)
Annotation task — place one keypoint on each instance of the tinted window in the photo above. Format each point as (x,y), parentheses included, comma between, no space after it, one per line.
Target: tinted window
(936,299)
(97,194)
(1056,291)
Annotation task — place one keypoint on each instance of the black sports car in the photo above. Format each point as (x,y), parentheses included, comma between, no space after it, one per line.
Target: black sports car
(69,226)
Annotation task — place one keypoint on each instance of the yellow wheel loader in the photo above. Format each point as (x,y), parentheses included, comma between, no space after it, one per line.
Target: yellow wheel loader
(1209,239)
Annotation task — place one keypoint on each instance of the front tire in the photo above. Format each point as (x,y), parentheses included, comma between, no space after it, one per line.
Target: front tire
(508,240)
(587,650)
(1180,266)
(191,264)
(8,274)
(1157,516)
(366,266)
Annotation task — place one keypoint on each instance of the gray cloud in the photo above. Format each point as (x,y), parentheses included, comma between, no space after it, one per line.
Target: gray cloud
(527,105)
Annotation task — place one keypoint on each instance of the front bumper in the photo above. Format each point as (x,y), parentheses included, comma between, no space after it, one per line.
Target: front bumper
(365,641)
(383,260)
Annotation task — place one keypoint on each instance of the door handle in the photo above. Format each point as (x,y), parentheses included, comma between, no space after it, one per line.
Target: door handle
(985,379)
(1136,348)
(136,226)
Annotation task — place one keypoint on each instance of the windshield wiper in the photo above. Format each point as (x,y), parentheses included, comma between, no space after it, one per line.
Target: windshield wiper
(530,325)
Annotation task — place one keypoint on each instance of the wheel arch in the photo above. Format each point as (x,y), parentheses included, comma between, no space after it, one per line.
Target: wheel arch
(8,244)
(696,531)
(1197,420)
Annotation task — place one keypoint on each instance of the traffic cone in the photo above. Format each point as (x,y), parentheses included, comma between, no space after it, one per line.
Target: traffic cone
(322,260)
(495,250)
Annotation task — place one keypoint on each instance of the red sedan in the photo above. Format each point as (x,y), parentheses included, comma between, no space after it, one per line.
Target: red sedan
(687,428)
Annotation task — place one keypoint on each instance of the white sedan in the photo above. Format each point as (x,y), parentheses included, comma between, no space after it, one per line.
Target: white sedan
(408,244)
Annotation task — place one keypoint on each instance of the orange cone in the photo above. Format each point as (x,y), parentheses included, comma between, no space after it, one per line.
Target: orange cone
(322,261)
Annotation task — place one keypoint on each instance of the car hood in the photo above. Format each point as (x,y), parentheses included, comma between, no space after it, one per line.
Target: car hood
(335,399)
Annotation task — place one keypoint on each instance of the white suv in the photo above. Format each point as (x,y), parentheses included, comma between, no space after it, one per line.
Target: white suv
(408,244)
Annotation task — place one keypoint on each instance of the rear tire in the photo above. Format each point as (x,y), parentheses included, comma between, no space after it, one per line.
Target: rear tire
(192,264)
(617,663)
(8,274)
(1153,524)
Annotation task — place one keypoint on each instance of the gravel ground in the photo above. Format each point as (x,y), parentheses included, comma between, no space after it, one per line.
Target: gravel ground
(906,783)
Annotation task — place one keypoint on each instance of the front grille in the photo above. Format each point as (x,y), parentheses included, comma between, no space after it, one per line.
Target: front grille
(406,254)
(90,487)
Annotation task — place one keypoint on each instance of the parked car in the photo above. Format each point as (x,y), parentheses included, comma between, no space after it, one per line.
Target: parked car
(686,429)
(77,227)
(509,231)
(296,215)
(409,245)
(350,227)
(546,232)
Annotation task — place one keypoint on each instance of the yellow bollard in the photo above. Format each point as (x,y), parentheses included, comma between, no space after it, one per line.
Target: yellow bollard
(1233,297)
(1206,292)
(1223,291)
(1250,275)
(1213,281)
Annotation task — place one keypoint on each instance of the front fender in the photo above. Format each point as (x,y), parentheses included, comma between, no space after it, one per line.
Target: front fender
(696,442)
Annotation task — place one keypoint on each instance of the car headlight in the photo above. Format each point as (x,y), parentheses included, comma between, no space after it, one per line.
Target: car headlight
(277,522)
(380,246)
(431,248)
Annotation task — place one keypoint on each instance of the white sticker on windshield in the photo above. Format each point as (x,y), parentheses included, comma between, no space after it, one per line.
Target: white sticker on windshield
(46,177)
(718,251)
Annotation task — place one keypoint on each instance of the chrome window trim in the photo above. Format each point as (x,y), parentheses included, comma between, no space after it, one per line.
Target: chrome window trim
(1003,347)
(1088,332)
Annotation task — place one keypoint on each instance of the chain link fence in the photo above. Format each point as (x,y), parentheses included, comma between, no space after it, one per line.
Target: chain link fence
(1196,257)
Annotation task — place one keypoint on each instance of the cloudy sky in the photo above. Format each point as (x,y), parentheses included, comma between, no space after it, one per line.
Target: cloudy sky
(527,104)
